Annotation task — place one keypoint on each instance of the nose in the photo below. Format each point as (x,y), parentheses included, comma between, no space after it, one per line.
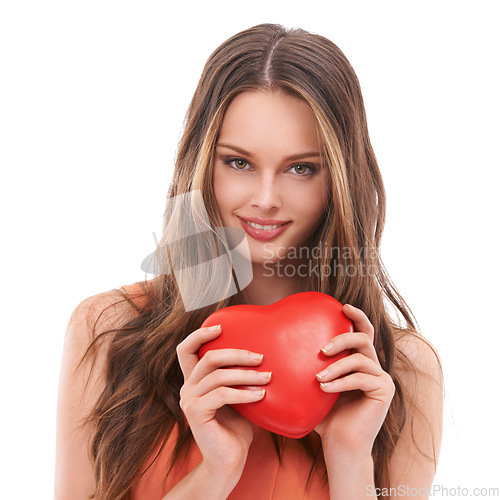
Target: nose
(266,196)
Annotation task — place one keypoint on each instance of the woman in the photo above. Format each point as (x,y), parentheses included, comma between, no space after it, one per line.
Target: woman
(276,144)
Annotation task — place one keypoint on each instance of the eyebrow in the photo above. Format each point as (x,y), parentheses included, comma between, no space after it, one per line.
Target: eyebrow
(297,156)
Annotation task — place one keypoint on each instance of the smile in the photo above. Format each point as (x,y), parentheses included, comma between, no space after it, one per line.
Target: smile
(265,228)
(263,232)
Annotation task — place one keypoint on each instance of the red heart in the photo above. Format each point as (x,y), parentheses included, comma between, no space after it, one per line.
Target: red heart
(290,334)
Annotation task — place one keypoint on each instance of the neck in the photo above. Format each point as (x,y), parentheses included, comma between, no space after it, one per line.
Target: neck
(269,285)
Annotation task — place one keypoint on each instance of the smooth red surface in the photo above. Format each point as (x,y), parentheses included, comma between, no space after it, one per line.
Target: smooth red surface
(290,334)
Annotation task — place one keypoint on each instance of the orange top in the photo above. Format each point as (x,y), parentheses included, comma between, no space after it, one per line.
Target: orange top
(262,478)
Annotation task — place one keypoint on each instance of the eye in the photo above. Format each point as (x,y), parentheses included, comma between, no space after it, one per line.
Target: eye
(301,169)
(239,163)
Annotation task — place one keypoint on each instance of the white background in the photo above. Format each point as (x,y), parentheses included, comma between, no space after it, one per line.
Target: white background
(92,101)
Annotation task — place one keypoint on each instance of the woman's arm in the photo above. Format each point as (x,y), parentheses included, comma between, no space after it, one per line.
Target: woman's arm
(410,471)
(350,474)
(74,477)
(350,429)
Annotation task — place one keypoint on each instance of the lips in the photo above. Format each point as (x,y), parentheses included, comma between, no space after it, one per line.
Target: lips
(264,233)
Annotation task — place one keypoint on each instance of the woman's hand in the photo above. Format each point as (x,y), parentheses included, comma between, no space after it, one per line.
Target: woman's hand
(222,435)
(366,389)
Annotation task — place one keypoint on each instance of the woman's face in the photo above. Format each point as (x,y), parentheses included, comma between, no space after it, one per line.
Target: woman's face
(268,171)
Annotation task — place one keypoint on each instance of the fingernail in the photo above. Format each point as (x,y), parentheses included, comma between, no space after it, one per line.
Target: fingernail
(327,347)
(326,384)
(259,393)
(254,355)
(265,374)
(322,374)
(214,328)
(352,308)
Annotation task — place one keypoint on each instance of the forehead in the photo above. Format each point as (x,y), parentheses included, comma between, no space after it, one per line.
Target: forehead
(261,117)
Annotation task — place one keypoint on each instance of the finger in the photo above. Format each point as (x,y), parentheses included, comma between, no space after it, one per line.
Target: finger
(359,341)
(375,387)
(207,405)
(360,320)
(227,377)
(218,358)
(356,362)
(187,350)
(228,395)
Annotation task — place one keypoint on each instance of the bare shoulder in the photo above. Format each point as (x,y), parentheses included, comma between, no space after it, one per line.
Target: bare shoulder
(97,313)
(417,356)
(418,367)
(87,341)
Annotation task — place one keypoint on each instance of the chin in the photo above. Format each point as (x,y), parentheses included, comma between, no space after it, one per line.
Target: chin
(268,252)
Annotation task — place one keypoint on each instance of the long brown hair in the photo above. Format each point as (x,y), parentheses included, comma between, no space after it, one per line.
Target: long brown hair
(139,406)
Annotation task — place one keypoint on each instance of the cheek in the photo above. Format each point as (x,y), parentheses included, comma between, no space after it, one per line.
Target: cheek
(218,187)
(225,191)
(311,201)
